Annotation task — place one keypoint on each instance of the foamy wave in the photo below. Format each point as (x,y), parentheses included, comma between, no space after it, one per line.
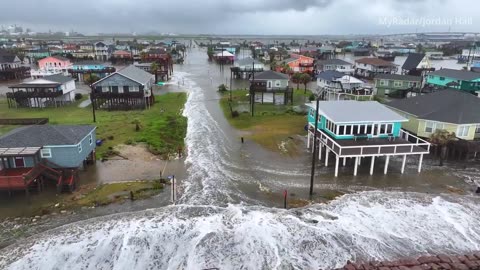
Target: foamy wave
(369,225)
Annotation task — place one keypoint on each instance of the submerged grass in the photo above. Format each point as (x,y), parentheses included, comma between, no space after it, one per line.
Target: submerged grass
(273,126)
(162,128)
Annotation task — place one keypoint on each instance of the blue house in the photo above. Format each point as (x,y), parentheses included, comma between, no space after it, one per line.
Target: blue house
(359,129)
(31,155)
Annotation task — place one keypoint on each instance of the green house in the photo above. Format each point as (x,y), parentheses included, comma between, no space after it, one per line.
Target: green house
(395,84)
(456,79)
(452,110)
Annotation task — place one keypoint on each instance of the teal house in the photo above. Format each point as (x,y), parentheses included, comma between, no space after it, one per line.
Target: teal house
(362,129)
(456,79)
(350,120)
(89,65)
(30,155)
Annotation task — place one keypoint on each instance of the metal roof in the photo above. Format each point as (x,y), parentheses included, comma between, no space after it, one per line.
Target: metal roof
(247,61)
(413,60)
(351,111)
(58,78)
(20,151)
(398,77)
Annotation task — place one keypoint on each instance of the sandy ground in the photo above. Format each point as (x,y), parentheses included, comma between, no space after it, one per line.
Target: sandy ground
(140,165)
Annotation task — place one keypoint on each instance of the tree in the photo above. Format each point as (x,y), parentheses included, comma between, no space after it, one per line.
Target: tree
(154,69)
(222,88)
(305,79)
(297,78)
(441,138)
(420,48)
(91,79)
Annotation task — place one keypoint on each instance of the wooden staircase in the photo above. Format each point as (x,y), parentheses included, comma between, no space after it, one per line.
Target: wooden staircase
(64,179)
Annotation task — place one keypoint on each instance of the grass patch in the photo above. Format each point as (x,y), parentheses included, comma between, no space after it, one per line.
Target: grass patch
(162,128)
(114,193)
(273,126)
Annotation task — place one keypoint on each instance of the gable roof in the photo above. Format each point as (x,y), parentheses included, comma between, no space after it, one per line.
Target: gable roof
(463,75)
(413,60)
(450,106)
(291,59)
(130,72)
(374,61)
(398,77)
(271,75)
(330,75)
(136,74)
(58,78)
(6,57)
(351,111)
(45,135)
(334,61)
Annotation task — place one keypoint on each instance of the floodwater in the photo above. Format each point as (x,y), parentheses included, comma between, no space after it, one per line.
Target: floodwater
(228,214)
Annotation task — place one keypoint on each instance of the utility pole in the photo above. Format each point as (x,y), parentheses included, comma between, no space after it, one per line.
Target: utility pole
(252,86)
(314,157)
(92,99)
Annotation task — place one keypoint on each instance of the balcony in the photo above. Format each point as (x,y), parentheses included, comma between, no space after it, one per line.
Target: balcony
(405,144)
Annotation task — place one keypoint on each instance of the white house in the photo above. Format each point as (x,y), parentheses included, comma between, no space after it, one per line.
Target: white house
(101,51)
(337,65)
(337,81)
(273,87)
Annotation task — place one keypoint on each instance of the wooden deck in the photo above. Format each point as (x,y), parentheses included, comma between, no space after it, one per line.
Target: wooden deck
(406,144)
(12,179)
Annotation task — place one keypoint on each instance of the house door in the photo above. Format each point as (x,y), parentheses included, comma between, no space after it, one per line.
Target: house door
(269,84)
(19,162)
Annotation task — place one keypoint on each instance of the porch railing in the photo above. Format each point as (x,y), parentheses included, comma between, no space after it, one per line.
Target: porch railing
(416,145)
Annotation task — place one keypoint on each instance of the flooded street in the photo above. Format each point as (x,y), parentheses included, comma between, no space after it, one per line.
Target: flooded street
(228,213)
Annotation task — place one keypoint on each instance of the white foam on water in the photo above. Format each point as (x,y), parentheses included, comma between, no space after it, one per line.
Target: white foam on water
(195,235)
(369,225)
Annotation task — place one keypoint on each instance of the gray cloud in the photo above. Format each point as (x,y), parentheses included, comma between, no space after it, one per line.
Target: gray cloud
(233,16)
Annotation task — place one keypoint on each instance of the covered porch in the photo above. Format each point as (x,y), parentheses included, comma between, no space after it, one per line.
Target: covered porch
(36,95)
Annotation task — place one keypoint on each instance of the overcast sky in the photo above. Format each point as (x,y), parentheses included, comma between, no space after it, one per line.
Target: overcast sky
(309,17)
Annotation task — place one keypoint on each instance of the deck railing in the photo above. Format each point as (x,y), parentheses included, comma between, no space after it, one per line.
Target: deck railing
(418,146)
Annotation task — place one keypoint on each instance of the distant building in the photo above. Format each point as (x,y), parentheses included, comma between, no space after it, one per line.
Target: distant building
(243,68)
(101,51)
(52,65)
(396,85)
(298,63)
(458,79)
(12,67)
(336,65)
(337,81)
(417,64)
(371,66)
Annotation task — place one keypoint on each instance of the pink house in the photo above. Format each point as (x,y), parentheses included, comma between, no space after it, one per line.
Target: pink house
(54,62)
(52,65)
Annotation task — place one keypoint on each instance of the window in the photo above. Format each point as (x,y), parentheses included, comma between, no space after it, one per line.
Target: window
(430,126)
(397,83)
(462,131)
(341,130)
(348,130)
(80,148)
(277,84)
(46,153)
(383,82)
(477,129)
(90,139)
(442,78)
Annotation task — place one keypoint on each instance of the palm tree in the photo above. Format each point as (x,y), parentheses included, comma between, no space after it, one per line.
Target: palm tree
(441,138)
(92,78)
(297,78)
(154,69)
(305,79)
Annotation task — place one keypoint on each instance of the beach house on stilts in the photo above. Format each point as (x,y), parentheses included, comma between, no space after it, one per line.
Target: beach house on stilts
(359,130)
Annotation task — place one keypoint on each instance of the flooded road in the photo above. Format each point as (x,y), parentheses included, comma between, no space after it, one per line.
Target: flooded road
(224,217)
